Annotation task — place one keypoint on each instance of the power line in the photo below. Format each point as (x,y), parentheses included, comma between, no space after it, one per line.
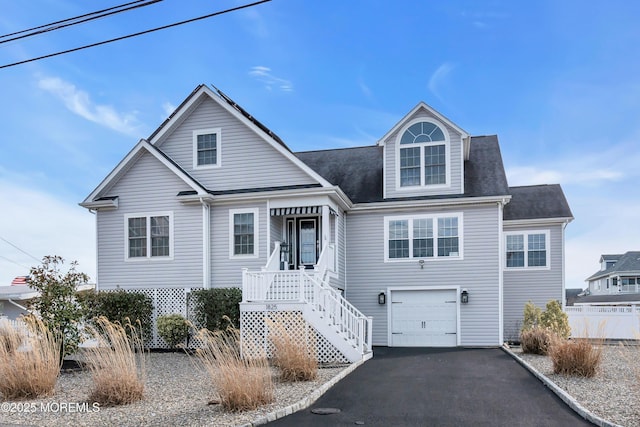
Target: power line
(24,252)
(76,20)
(69,19)
(233,9)
(13,262)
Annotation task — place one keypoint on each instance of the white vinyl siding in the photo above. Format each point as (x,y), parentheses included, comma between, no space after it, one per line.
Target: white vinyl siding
(423,236)
(246,160)
(478,271)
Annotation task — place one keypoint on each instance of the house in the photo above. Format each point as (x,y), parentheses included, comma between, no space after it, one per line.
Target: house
(14,298)
(617,282)
(417,240)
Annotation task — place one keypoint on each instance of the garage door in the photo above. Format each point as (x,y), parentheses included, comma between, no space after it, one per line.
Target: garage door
(424,318)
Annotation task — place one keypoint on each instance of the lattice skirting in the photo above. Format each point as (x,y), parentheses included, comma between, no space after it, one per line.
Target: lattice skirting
(168,301)
(255,331)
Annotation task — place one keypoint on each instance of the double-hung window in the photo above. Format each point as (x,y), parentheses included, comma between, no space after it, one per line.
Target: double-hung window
(149,236)
(243,233)
(422,155)
(206,148)
(423,237)
(529,249)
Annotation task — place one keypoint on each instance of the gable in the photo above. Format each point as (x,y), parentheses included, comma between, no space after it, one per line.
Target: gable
(249,155)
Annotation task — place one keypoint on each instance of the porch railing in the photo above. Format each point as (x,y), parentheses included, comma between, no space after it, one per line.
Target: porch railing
(300,286)
(326,261)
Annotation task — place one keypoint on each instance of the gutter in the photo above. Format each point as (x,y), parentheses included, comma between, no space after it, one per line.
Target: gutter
(18,305)
(401,204)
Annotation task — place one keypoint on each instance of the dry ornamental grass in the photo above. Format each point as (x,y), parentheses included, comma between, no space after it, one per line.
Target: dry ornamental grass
(296,360)
(29,360)
(117,364)
(242,383)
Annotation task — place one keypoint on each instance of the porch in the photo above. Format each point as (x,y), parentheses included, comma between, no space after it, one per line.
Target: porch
(305,301)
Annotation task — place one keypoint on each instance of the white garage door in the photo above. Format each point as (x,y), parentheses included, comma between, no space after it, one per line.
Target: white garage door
(424,318)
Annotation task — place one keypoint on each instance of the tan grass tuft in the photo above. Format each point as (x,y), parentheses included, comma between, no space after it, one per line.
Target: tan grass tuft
(242,383)
(578,357)
(535,340)
(29,360)
(117,363)
(295,358)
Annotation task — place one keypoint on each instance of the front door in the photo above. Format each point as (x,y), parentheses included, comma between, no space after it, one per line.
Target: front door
(301,242)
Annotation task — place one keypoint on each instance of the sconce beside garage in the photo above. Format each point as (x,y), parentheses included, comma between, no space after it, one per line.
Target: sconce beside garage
(382,297)
(464,296)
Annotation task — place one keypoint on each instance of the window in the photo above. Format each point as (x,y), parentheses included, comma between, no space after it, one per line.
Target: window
(423,155)
(527,249)
(148,236)
(424,236)
(243,233)
(206,148)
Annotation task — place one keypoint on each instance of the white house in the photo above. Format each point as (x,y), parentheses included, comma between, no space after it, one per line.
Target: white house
(417,240)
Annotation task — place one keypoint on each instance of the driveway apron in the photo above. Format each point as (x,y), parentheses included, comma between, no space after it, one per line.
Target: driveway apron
(438,387)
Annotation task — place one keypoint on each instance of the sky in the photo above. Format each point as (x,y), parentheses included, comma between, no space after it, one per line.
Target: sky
(557,81)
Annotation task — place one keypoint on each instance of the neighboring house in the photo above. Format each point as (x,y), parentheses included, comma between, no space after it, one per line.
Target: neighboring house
(14,298)
(415,241)
(617,282)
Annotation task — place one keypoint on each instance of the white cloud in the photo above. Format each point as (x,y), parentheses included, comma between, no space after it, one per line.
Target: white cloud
(41,224)
(439,78)
(79,102)
(264,75)
(530,175)
(366,91)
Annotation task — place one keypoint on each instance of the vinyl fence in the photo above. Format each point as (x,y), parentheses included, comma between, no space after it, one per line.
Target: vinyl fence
(604,322)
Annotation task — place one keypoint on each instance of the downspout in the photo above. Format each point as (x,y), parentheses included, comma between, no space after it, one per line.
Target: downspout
(206,244)
(501,205)
(95,213)
(564,267)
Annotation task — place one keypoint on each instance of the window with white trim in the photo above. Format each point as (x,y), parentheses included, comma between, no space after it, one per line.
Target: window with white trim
(423,236)
(423,155)
(529,249)
(149,236)
(243,232)
(206,148)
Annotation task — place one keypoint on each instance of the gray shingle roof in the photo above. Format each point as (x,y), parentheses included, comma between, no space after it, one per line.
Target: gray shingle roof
(612,298)
(358,171)
(629,263)
(536,202)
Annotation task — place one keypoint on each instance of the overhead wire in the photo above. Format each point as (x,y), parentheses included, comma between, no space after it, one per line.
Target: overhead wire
(67,22)
(164,27)
(14,262)
(23,251)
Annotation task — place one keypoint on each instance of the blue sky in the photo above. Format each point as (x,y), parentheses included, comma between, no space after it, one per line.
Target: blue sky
(557,81)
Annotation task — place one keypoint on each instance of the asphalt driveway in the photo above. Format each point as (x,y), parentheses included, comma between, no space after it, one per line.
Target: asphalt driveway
(438,387)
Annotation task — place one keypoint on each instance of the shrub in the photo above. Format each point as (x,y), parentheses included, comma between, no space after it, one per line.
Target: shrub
(173,329)
(536,340)
(576,357)
(118,306)
(32,371)
(532,316)
(241,383)
(296,360)
(556,320)
(212,305)
(117,363)
(56,303)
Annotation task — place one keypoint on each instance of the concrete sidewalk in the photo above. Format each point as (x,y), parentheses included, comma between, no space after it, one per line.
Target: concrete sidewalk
(438,387)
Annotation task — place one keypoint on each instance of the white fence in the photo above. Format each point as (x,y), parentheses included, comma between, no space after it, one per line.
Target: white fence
(604,322)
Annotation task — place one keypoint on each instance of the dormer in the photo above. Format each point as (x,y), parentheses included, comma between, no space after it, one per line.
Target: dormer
(424,155)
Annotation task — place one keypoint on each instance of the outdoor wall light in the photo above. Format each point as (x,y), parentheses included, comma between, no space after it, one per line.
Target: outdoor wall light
(464,296)
(421,262)
(382,298)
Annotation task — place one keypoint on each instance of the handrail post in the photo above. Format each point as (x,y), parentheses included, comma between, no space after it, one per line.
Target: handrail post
(245,285)
(301,284)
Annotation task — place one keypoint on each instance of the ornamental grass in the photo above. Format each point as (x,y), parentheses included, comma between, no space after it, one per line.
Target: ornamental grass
(293,355)
(117,363)
(241,383)
(29,359)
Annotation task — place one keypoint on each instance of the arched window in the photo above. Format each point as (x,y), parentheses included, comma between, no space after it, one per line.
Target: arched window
(423,155)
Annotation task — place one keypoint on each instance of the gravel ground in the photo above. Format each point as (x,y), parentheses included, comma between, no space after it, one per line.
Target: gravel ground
(177,393)
(613,394)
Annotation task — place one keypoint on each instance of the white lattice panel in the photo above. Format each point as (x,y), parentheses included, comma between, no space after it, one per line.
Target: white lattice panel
(167,301)
(255,334)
